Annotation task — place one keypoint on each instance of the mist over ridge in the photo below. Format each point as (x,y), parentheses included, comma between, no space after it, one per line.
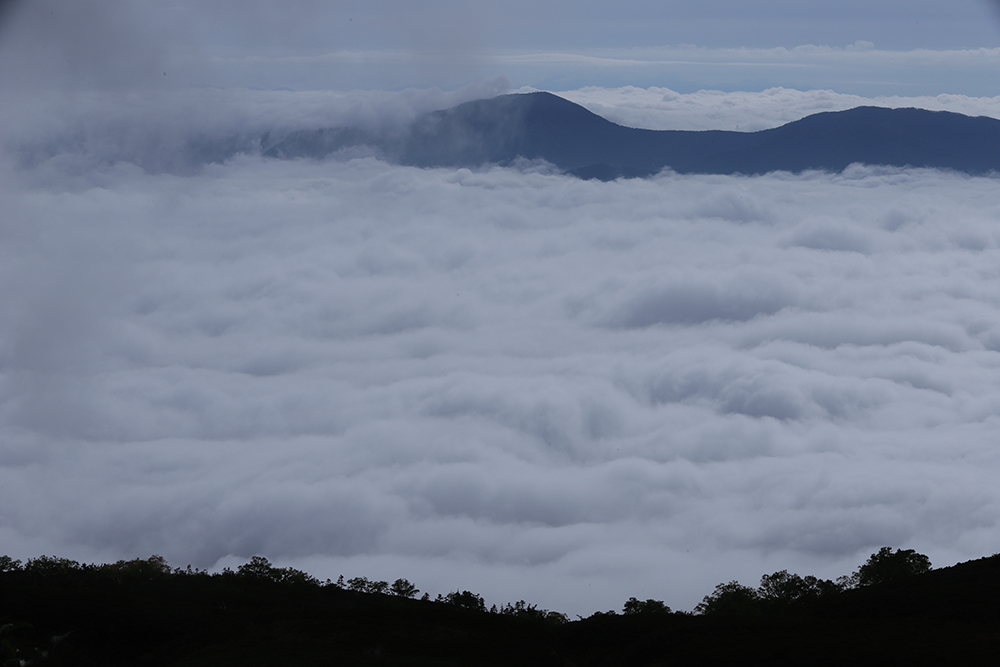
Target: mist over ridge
(505,128)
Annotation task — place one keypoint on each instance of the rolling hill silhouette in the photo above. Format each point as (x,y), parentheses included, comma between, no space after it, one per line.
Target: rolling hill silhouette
(545,126)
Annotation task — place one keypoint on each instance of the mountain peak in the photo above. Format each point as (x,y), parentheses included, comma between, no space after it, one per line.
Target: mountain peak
(541,125)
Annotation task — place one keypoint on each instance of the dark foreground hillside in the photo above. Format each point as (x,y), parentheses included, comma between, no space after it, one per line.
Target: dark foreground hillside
(143,613)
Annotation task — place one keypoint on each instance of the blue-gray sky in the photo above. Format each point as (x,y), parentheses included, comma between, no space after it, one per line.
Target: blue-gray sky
(908,47)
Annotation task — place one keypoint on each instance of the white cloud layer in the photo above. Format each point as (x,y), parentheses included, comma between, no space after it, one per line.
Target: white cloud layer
(509,381)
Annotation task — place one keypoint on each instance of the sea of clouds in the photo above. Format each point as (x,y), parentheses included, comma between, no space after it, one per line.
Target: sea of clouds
(503,380)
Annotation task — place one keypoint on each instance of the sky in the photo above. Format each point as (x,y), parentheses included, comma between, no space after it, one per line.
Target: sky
(504,380)
(905,47)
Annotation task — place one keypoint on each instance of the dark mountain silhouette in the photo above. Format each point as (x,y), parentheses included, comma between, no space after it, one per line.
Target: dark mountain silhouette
(545,126)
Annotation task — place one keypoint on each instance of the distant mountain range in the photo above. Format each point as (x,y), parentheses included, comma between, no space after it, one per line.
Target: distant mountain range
(545,126)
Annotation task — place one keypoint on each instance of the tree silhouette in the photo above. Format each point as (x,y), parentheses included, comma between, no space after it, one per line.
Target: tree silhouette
(782,587)
(522,609)
(635,606)
(403,588)
(888,565)
(8,564)
(731,599)
(47,566)
(379,587)
(358,584)
(260,568)
(466,600)
(257,567)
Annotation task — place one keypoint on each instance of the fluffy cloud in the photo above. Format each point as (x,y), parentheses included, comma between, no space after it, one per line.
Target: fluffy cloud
(505,380)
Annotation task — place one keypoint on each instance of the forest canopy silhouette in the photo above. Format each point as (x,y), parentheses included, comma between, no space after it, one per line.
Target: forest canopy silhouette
(56,611)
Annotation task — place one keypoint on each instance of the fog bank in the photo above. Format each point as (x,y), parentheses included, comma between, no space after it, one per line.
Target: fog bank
(506,380)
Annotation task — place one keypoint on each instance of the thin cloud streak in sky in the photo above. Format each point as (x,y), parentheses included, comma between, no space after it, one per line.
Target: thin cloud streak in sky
(858,68)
